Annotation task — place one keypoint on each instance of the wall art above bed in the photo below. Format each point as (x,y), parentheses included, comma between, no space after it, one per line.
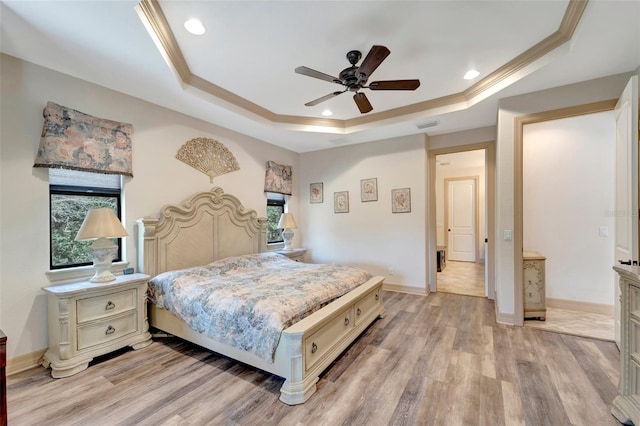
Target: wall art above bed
(316,193)
(401,200)
(208,156)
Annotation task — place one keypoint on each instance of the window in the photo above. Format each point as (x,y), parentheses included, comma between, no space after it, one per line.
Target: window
(71,195)
(275,208)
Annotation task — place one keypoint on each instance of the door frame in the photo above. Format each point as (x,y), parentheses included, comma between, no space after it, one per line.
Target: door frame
(518,199)
(476,196)
(490,198)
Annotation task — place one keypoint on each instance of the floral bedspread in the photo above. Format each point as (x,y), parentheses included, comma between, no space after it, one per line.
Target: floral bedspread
(247,301)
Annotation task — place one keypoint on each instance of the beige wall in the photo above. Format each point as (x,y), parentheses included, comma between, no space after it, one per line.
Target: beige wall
(370,235)
(158,179)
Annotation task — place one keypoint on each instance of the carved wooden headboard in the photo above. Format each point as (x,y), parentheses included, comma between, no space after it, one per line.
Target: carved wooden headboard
(209,226)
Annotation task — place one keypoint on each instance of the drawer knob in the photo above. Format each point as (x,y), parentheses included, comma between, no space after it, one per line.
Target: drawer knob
(377,296)
(358,312)
(110,306)
(314,347)
(346,321)
(110,330)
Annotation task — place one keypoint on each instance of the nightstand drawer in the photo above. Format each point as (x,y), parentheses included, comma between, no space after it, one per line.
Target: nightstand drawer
(106,330)
(93,308)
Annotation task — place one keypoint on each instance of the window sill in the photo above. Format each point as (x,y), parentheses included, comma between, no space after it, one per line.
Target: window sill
(275,246)
(62,276)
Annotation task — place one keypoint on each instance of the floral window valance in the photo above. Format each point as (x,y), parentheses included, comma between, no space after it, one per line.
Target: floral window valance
(77,141)
(278,178)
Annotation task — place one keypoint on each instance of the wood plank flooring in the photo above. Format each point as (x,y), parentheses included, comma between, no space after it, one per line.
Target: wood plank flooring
(435,360)
(462,278)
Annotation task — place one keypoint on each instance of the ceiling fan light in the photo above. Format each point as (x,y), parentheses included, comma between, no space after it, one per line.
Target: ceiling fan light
(327,113)
(471,74)
(194,26)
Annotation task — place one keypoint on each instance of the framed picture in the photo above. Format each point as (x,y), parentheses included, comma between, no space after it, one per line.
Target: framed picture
(315,193)
(401,200)
(369,189)
(341,202)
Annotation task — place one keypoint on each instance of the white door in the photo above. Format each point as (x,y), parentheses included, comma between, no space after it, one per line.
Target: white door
(462,220)
(626,190)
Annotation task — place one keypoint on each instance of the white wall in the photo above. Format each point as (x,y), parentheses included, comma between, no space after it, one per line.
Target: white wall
(369,235)
(566,96)
(158,179)
(568,194)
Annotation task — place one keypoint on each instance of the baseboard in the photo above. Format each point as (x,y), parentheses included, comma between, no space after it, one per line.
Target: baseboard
(509,319)
(24,362)
(573,305)
(404,289)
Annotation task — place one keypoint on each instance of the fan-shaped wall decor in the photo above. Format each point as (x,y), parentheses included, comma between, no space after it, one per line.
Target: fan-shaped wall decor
(208,156)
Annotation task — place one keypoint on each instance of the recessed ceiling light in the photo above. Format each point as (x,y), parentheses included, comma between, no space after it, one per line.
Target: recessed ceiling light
(194,26)
(327,113)
(471,74)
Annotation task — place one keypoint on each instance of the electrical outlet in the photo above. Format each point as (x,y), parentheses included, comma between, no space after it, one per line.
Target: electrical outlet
(391,271)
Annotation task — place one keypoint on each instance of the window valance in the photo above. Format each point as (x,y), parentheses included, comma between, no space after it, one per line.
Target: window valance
(278,178)
(78,141)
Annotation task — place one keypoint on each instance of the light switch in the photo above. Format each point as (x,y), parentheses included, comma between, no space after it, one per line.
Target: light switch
(604,231)
(508,235)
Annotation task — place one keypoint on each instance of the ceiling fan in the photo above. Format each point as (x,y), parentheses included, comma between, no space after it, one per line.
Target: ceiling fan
(355,78)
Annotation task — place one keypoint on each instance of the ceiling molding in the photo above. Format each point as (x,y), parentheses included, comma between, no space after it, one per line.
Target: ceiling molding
(157,25)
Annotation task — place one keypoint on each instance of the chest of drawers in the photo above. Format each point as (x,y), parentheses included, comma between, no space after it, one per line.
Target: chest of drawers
(91,319)
(626,406)
(534,285)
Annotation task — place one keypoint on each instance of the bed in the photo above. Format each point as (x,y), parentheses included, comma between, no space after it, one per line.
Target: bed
(212,226)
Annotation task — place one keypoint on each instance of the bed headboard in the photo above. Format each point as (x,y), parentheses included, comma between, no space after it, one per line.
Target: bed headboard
(207,227)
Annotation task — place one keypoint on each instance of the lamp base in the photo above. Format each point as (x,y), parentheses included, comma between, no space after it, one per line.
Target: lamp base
(287,236)
(103,251)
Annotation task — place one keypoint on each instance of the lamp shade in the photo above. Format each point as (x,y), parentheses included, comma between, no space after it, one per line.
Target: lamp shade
(287,221)
(101,223)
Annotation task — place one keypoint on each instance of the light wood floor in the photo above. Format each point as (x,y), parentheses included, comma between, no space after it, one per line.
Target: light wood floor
(468,278)
(433,360)
(462,278)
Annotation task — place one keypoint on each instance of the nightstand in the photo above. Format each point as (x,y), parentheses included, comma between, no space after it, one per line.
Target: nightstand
(296,254)
(90,319)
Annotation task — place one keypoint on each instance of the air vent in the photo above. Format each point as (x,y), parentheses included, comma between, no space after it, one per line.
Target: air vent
(427,124)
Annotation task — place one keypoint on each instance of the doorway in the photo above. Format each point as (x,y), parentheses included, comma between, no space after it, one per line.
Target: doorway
(568,179)
(461,197)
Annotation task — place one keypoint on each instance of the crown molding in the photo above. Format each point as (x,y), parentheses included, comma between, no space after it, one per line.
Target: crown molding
(156,23)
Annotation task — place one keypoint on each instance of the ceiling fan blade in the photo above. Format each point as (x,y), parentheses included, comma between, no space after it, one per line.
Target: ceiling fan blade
(395,85)
(363,103)
(324,98)
(317,74)
(374,58)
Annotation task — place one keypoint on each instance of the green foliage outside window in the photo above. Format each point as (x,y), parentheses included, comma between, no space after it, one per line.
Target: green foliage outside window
(67,214)
(274,235)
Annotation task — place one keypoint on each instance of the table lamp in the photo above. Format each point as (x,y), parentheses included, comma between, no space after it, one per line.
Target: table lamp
(100,225)
(287,223)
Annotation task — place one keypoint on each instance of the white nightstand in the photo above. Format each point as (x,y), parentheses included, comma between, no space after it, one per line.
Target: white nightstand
(296,254)
(90,319)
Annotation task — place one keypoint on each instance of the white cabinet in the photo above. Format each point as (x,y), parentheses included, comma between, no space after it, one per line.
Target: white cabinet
(626,406)
(534,285)
(90,319)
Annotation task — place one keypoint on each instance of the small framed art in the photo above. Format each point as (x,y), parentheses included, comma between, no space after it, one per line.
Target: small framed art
(315,193)
(341,202)
(401,200)
(369,189)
